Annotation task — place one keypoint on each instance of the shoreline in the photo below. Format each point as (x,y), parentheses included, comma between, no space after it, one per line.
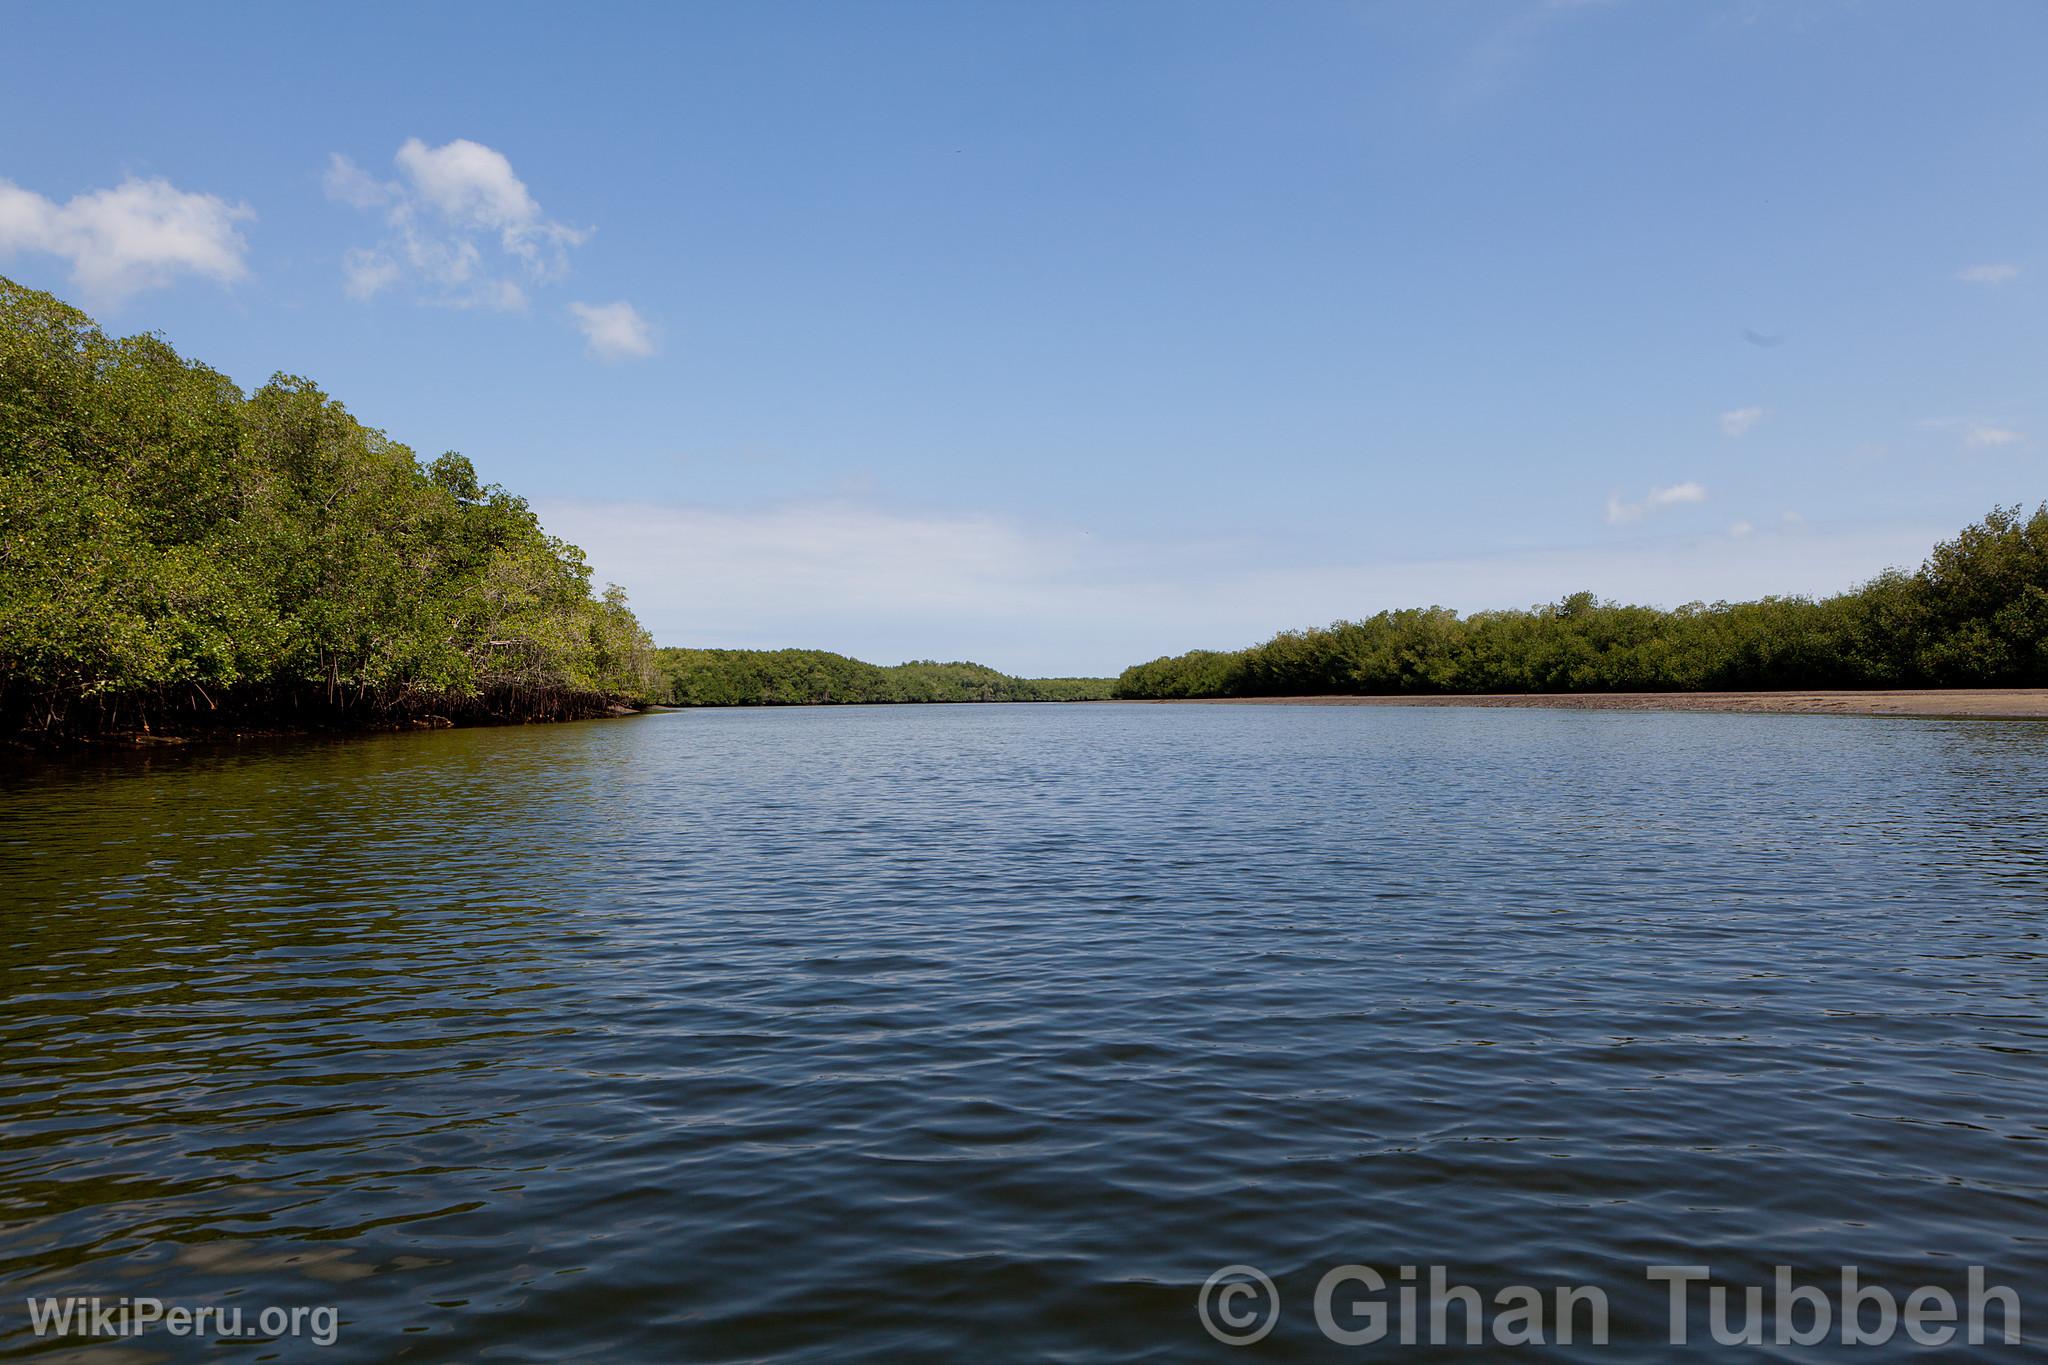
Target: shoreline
(1960,703)
(231,732)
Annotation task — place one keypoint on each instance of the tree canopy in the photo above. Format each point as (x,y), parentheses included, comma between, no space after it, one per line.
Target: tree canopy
(174,552)
(804,677)
(1974,615)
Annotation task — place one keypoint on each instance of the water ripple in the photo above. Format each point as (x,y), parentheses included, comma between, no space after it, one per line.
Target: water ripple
(939,1033)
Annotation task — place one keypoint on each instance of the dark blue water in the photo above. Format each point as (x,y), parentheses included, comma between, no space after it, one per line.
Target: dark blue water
(959,1033)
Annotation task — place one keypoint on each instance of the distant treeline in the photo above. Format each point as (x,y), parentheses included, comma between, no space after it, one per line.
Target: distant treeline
(1974,615)
(177,555)
(812,677)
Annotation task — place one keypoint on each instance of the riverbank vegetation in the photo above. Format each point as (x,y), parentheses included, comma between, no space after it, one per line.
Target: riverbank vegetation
(808,677)
(1975,614)
(177,555)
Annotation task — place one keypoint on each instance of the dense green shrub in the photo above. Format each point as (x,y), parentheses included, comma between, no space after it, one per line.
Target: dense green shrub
(805,677)
(1975,614)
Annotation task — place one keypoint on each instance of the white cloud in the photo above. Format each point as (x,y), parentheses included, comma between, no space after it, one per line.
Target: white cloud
(1999,272)
(890,585)
(141,234)
(348,183)
(1982,434)
(468,182)
(460,222)
(1621,512)
(1677,493)
(1979,433)
(1738,421)
(1741,530)
(615,331)
(365,273)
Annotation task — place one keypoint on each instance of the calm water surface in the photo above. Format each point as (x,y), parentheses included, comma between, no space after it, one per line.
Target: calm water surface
(989,1032)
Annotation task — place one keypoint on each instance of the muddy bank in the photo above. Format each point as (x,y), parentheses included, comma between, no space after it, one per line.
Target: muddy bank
(2019,703)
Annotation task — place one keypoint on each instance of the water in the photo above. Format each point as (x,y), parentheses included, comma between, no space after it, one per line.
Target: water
(990,1032)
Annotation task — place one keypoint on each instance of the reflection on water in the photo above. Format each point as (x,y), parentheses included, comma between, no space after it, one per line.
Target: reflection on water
(943,1032)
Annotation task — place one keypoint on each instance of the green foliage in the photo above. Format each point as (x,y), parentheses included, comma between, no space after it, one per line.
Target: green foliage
(171,550)
(1198,673)
(811,677)
(1976,614)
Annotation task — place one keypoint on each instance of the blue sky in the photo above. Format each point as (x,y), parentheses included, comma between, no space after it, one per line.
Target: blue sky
(1062,335)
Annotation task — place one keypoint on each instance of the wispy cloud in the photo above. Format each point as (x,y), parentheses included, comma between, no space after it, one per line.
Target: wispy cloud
(614,331)
(1677,493)
(1981,434)
(367,273)
(896,584)
(1741,530)
(1999,272)
(141,234)
(1495,61)
(1621,512)
(460,222)
(1738,421)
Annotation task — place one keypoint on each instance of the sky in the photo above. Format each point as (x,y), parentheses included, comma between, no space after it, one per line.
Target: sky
(1063,335)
